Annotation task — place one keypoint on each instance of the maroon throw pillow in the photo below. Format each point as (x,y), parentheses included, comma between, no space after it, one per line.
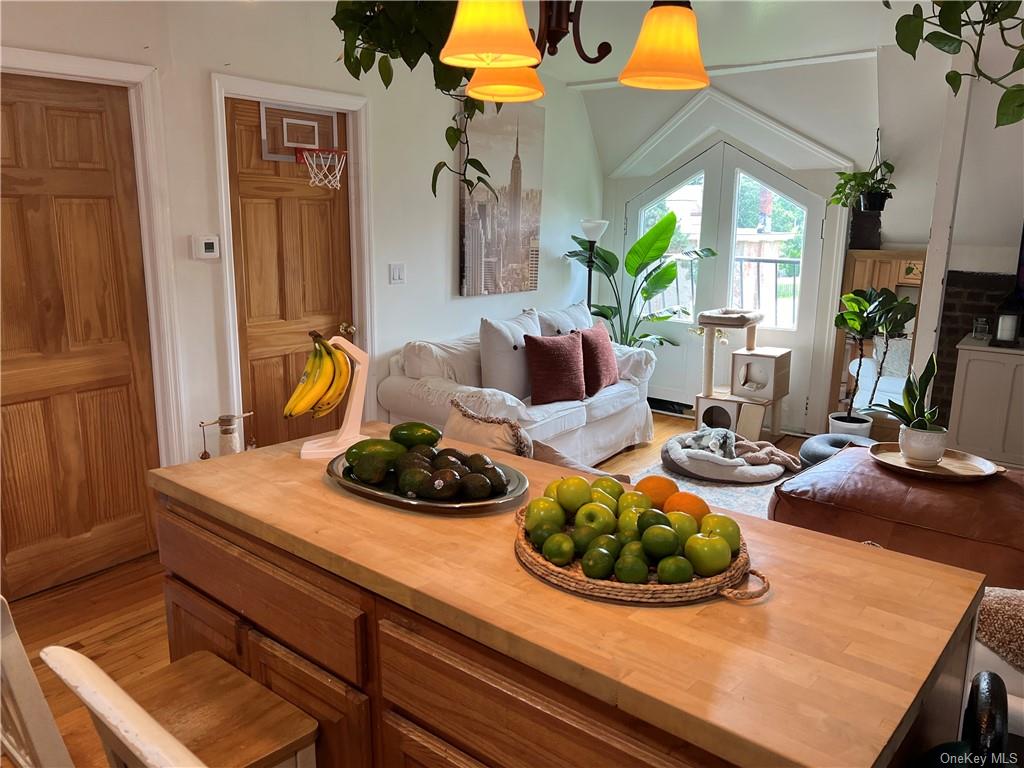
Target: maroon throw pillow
(600,368)
(556,368)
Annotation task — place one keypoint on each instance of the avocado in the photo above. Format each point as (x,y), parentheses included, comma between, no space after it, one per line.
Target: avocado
(499,482)
(385,448)
(441,486)
(390,482)
(410,460)
(412,433)
(446,461)
(454,452)
(426,451)
(478,461)
(411,480)
(476,486)
(371,468)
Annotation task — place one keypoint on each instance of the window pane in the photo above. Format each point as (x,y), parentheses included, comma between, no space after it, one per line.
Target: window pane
(686,202)
(767,247)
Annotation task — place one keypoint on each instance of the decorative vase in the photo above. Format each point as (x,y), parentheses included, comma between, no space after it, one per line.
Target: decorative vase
(873,201)
(923,447)
(841,424)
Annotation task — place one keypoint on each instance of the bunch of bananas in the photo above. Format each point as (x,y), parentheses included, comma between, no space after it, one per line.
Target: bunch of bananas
(324,381)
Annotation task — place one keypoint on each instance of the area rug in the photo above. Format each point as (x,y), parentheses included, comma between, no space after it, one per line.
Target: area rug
(750,499)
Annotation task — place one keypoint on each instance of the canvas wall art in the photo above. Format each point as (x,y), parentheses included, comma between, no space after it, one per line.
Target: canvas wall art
(500,245)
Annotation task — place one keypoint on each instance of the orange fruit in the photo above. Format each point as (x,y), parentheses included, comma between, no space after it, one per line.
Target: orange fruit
(687,502)
(658,489)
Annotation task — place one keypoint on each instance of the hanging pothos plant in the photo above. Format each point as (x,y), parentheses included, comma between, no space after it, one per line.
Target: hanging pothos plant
(376,34)
(972,24)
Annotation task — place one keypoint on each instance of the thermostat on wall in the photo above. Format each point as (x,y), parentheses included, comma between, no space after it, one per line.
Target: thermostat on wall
(206,247)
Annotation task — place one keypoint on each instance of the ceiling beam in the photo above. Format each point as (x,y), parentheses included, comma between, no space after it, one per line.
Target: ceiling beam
(738,69)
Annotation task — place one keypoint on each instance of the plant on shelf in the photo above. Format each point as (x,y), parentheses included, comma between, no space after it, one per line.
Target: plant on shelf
(377,34)
(922,441)
(959,24)
(867,190)
(893,313)
(652,271)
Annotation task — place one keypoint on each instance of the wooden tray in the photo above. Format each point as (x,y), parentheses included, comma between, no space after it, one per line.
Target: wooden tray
(954,466)
(518,486)
(570,578)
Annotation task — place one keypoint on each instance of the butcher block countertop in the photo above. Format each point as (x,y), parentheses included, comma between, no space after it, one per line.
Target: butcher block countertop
(830,669)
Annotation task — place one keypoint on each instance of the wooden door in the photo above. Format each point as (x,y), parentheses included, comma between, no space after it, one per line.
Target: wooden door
(342,713)
(79,429)
(292,270)
(407,746)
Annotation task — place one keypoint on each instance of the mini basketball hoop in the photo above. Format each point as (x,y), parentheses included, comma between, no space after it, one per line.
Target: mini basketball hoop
(324,165)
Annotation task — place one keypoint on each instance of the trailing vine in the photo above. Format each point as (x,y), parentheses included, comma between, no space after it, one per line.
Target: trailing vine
(376,34)
(958,24)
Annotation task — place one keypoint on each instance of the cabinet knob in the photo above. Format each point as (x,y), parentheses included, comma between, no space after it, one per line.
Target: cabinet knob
(346,328)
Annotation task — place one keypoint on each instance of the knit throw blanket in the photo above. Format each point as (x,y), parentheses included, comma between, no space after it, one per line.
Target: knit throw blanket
(727,444)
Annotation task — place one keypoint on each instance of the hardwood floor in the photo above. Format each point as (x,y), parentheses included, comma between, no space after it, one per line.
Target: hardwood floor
(634,461)
(117,617)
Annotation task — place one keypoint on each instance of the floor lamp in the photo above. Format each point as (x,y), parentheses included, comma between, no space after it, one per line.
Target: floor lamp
(592,230)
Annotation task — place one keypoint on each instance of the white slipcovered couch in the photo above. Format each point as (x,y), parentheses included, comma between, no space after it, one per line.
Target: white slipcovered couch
(424,376)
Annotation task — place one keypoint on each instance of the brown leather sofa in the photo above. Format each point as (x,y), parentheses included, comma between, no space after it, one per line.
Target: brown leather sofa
(978,526)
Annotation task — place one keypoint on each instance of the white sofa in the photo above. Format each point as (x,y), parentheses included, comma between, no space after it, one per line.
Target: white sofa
(424,376)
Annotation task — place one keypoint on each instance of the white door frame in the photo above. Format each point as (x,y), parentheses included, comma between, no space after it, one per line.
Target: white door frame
(231,86)
(146,110)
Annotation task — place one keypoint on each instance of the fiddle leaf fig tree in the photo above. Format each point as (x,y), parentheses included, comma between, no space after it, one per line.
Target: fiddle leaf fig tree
(376,34)
(951,25)
(652,272)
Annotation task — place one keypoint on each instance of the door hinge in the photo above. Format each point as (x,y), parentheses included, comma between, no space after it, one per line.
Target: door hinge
(822,227)
(807,405)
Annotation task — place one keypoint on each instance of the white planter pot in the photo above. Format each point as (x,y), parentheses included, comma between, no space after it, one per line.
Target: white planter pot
(922,447)
(860,427)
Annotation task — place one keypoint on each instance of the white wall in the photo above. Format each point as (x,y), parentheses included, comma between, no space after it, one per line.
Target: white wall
(297,43)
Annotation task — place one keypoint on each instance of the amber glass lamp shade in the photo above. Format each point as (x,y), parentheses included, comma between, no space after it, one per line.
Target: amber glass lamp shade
(666,56)
(490,33)
(506,85)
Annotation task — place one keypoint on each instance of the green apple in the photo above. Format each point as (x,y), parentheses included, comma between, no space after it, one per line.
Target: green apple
(684,524)
(628,519)
(543,510)
(573,493)
(609,485)
(709,553)
(634,499)
(597,516)
(552,490)
(725,527)
(600,497)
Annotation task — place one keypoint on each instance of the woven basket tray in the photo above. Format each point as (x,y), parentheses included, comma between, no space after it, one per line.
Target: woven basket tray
(571,579)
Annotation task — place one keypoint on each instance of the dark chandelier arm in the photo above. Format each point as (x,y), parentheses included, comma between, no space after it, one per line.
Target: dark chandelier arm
(603,50)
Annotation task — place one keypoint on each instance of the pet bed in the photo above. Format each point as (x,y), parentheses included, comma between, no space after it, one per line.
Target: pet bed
(703,464)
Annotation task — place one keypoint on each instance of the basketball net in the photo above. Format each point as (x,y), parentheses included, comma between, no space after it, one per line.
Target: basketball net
(324,165)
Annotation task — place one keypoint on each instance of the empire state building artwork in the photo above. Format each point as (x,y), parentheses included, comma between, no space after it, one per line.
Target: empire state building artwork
(500,248)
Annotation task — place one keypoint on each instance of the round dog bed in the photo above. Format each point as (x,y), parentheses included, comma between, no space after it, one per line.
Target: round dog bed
(703,465)
(820,447)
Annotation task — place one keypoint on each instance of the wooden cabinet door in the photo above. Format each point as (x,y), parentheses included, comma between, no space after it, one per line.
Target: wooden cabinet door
(196,623)
(343,713)
(408,746)
(79,427)
(292,270)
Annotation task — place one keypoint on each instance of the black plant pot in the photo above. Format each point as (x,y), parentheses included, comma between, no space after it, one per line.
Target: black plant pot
(873,201)
(865,230)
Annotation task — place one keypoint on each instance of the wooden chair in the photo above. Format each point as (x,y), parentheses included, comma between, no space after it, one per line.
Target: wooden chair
(29,735)
(198,711)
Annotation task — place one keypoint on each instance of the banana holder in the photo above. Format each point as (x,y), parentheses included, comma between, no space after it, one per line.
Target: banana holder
(330,446)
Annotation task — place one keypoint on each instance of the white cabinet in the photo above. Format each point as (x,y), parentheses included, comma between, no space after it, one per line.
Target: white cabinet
(987,414)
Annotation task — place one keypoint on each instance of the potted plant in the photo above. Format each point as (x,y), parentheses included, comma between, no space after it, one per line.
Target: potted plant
(922,441)
(860,325)
(867,190)
(893,313)
(652,270)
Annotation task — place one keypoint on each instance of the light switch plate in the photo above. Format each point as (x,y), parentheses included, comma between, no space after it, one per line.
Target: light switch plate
(396,274)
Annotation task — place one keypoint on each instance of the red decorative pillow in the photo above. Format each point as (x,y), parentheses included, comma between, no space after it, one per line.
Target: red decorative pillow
(600,368)
(556,368)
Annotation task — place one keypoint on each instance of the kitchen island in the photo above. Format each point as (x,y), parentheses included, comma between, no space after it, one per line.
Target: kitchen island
(418,639)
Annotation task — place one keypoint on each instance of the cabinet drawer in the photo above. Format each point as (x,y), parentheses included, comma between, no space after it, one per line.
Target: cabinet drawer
(195,623)
(317,624)
(504,715)
(408,745)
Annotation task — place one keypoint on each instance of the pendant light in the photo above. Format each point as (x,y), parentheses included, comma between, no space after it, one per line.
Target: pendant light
(490,33)
(506,85)
(666,56)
